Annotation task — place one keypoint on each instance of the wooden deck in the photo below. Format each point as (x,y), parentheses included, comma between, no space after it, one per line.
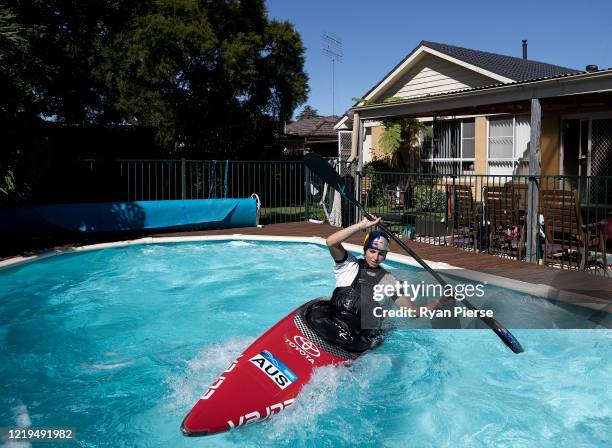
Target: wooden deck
(578,282)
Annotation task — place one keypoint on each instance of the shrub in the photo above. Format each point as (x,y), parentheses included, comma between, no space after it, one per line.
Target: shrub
(429,199)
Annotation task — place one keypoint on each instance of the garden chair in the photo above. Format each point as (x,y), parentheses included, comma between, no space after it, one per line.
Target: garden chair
(506,228)
(366,188)
(464,227)
(399,198)
(568,241)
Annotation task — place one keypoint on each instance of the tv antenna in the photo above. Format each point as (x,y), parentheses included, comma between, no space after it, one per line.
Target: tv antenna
(332,48)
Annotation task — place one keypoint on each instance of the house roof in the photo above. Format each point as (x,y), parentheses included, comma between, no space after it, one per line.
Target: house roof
(581,83)
(314,127)
(504,68)
(517,69)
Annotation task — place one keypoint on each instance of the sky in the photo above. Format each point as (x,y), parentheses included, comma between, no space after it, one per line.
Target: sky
(377,35)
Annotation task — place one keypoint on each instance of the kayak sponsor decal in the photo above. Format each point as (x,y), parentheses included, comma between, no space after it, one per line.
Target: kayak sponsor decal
(304,347)
(214,386)
(274,369)
(254,416)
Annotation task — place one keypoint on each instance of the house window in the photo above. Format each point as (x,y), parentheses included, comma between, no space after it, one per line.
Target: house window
(508,144)
(467,139)
(467,146)
(452,149)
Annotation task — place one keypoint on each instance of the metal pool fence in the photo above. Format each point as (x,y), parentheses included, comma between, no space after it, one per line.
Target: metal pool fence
(561,220)
(278,184)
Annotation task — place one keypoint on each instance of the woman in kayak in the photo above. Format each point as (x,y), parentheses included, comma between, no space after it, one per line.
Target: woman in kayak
(351,315)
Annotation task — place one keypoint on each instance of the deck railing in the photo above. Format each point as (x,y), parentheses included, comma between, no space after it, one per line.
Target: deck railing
(570,225)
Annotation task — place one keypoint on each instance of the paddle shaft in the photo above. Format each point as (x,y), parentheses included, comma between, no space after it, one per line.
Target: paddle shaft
(491,323)
(331,177)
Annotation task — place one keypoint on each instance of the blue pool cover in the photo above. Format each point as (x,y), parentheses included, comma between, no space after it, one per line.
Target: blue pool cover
(129,216)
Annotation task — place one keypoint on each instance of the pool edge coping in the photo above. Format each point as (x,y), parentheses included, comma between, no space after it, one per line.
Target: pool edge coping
(534,289)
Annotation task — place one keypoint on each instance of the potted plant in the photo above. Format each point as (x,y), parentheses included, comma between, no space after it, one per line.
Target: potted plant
(430,207)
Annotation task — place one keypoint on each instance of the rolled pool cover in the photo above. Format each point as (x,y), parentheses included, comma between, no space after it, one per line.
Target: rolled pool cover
(128,216)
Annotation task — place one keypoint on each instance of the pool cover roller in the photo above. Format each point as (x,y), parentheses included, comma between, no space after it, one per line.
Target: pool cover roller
(129,216)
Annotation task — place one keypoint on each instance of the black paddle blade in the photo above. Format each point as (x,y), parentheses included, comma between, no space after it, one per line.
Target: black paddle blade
(508,338)
(326,172)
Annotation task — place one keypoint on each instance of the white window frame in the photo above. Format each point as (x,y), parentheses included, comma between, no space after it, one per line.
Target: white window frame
(501,159)
(515,160)
(461,159)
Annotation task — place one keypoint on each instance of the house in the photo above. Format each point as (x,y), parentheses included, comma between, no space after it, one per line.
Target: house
(315,134)
(482,107)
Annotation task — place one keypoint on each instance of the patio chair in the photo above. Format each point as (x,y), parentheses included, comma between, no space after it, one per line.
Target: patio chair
(464,227)
(568,241)
(399,197)
(366,187)
(506,228)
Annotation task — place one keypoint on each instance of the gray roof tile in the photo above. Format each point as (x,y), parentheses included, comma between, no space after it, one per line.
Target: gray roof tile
(313,127)
(517,69)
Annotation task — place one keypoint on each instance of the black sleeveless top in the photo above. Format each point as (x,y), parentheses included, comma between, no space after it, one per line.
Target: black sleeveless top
(347,302)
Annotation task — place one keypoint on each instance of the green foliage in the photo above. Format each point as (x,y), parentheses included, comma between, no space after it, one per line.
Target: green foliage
(378,165)
(7,184)
(308,112)
(14,86)
(210,77)
(429,199)
(391,138)
(369,170)
(12,39)
(9,189)
(398,130)
(378,190)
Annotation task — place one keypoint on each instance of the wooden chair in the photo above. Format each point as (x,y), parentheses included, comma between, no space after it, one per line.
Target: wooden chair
(568,240)
(398,198)
(366,187)
(464,227)
(506,228)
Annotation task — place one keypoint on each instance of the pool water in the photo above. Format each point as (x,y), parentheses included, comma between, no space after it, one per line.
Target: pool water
(120,343)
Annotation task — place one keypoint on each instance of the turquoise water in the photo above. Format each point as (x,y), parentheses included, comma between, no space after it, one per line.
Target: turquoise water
(119,344)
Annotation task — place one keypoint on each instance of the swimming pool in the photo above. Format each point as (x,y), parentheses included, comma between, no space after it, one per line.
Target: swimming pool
(119,343)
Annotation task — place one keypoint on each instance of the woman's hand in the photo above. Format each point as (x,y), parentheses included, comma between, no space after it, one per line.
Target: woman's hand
(366,223)
(334,241)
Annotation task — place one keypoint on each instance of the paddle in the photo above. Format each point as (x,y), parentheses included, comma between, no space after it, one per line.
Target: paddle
(325,171)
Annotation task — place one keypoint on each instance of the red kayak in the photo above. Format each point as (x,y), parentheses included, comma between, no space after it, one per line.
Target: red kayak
(267,377)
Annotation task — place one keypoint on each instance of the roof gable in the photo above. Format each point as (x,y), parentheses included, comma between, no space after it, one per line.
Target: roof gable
(487,68)
(431,74)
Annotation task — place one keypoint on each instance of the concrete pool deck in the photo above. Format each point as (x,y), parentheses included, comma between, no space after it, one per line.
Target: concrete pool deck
(575,287)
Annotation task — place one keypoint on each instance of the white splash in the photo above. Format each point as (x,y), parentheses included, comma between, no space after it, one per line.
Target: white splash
(102,366)
(201,371)
(241,244)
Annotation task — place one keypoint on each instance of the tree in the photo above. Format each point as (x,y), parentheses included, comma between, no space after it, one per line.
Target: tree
(15,97)
(308,112)
(211,77)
